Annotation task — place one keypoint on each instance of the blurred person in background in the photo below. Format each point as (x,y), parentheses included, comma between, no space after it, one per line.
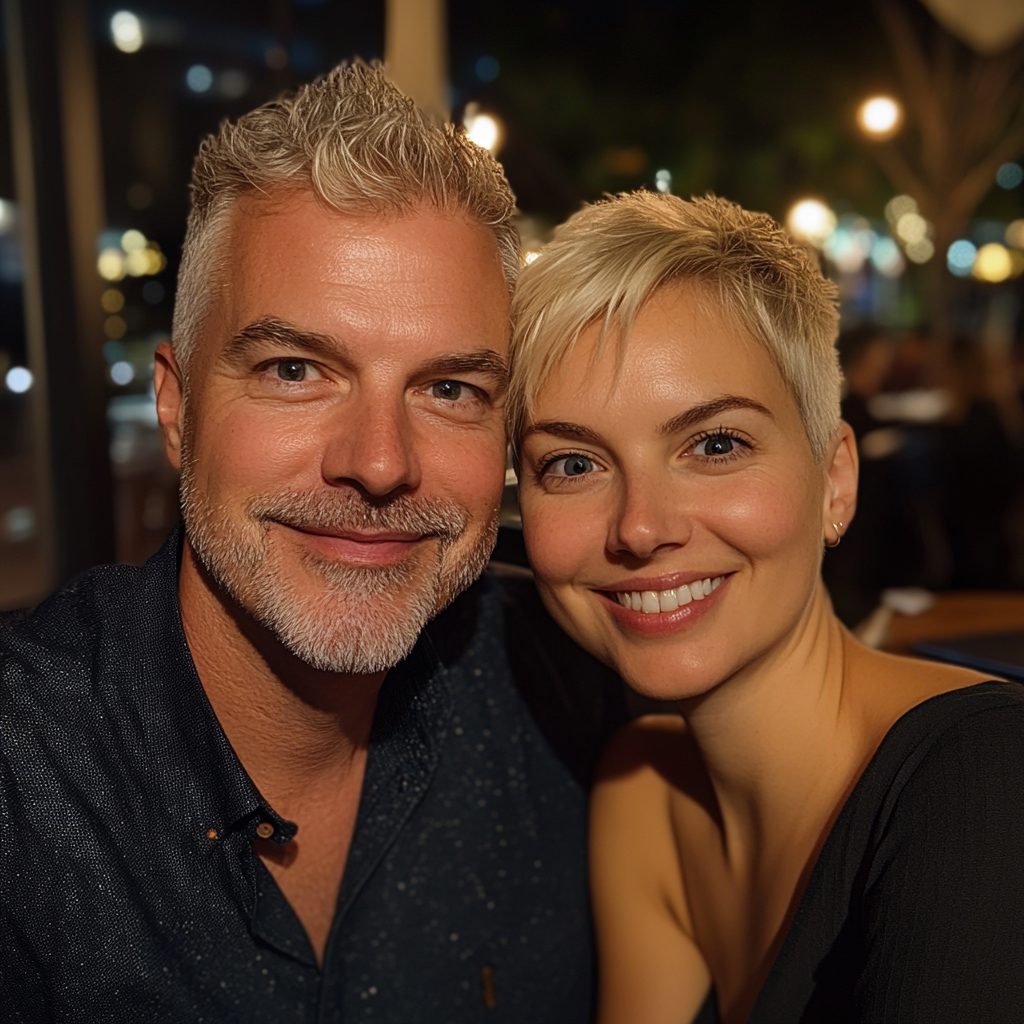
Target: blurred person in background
(825,832)
(980,476)
(304,765)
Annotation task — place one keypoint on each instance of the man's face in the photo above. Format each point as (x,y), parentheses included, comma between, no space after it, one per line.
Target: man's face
(342,442)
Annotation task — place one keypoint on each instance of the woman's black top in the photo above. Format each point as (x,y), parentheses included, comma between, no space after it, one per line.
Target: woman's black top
(914,910)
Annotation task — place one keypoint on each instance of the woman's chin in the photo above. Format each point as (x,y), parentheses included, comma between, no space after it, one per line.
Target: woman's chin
(668,685)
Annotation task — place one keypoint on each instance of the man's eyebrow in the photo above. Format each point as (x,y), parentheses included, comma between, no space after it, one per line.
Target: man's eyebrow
(569,431)
(709,410)
(280,332)
(482,361)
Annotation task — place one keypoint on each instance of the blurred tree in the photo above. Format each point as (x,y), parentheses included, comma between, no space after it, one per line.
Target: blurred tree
(963,101)
(753,101)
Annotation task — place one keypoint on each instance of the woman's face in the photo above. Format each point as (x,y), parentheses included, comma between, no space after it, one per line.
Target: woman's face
(672,509)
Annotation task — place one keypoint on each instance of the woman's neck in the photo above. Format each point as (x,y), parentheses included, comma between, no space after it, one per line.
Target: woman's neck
(780,740)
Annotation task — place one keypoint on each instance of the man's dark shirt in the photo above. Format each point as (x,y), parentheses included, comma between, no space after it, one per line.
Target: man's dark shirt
(131,891)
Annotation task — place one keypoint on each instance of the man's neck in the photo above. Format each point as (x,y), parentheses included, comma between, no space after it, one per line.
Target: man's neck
(294,728)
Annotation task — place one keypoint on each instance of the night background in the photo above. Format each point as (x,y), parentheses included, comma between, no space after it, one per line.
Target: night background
(923,231)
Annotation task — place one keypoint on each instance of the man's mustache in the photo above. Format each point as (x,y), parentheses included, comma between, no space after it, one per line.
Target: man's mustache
(350,511)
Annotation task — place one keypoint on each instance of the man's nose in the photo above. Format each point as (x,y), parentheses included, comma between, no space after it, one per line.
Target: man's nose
(650,517)
(372,446)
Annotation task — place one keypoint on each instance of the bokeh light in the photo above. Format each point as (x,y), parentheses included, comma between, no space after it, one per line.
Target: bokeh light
(886,258)
(850,244)
(880,117)
(126,32)
(132,241)
(110,264)
(233,83)
(810,220)
(114,327)
(663,180)
(920,251)
(960,257)
(8,216)
(911,227)
(1009,176)
(899,206)
(993,263)
(487,68)
(122,372)
(483,129)
(18,379)
(199,78)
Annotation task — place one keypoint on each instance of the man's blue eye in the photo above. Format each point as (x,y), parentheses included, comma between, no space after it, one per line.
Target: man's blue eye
(449,390)
(572,465)
(291,369)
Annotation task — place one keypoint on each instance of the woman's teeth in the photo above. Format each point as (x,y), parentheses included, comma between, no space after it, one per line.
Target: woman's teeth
(651,602)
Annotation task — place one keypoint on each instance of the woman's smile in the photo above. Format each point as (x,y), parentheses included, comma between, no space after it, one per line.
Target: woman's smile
(667,609)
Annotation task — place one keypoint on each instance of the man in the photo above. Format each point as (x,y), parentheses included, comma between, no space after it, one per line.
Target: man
(248,782)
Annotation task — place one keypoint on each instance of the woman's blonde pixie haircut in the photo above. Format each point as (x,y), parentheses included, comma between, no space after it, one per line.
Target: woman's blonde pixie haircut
(352,139)
(608,259)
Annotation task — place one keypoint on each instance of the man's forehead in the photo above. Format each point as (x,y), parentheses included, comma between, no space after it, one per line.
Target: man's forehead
(279,230)
(423,273)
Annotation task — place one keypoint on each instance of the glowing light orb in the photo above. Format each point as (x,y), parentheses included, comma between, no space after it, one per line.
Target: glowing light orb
(812,221)
(880,117)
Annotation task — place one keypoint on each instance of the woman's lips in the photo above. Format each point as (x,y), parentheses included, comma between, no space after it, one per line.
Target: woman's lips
(652,602)
(666,610)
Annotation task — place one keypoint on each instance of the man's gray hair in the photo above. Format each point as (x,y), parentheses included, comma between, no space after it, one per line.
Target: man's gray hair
(358,144)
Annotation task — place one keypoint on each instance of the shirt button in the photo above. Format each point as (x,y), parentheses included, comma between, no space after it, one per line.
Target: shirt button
(264,830)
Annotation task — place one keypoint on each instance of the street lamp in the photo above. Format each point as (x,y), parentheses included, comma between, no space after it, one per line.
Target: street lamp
(880,117)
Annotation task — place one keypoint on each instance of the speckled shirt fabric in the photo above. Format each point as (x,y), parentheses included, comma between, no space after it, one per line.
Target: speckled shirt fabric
(130,889)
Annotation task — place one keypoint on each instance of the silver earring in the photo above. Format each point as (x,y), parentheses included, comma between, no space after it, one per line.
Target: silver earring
(838,527)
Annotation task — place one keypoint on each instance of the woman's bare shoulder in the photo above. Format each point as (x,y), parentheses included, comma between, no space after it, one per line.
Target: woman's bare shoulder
(903,682)
(647,748)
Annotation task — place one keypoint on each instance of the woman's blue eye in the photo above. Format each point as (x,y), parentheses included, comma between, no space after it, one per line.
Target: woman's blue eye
(717,444)
(572,465)
(291,369)
(449,390)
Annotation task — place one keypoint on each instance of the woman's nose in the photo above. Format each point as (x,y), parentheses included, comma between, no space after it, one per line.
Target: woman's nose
(650,517)
(373,447)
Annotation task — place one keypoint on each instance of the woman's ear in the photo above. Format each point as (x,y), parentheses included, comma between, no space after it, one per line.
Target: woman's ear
(840,501)
(169,385)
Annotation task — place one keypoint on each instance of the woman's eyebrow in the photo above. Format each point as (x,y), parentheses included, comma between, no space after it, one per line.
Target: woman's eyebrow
(570,431)
(709,410)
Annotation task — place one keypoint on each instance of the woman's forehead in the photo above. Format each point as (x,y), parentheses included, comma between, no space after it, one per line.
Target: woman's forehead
(680,344)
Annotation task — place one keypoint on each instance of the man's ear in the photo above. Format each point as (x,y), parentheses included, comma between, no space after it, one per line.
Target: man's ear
(840,504)
(169,385)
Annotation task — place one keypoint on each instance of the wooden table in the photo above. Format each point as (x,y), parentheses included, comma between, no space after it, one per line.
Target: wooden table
(958,613)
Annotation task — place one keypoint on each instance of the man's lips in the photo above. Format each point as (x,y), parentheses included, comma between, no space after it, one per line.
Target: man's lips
(358,546)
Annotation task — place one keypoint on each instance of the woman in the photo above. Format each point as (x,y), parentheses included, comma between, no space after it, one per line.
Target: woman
(827,832)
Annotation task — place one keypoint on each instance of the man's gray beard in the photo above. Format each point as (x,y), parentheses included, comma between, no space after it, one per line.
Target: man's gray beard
(362,619)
